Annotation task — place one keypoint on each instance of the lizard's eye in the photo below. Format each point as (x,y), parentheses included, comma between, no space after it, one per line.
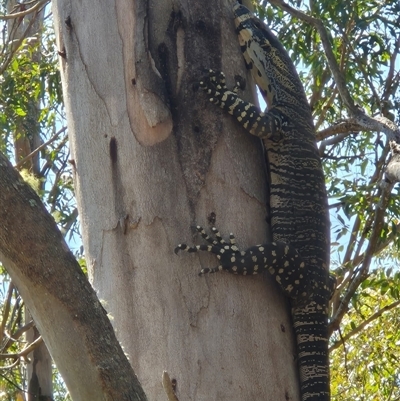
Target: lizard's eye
(267,48)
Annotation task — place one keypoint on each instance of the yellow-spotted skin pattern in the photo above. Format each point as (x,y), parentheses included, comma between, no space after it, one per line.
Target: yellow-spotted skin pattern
(298,257)
(282,261)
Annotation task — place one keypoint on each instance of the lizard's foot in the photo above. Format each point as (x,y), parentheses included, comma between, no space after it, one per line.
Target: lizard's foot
(225,252)
(214,84)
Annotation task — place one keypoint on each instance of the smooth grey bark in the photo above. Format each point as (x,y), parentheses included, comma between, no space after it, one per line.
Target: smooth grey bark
(152,158)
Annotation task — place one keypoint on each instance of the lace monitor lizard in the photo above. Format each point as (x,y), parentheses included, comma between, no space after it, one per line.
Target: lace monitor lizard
(298,257)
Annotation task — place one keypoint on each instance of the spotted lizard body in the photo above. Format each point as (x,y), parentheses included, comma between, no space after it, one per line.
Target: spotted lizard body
(298,256)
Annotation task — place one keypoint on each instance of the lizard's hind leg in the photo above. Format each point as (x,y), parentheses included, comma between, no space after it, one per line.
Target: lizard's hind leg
(218,246)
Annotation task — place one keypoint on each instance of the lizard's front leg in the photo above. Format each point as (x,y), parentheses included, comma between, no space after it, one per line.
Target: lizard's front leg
(264,125)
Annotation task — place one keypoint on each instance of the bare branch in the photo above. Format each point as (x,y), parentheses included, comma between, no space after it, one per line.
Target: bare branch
(344,127)
(50,163)
(6,310)
(24,352)
(17,334)
(357,257)
(29,244)
(357,260)
(37,6)
(39,148)
(332,141)
(12,366)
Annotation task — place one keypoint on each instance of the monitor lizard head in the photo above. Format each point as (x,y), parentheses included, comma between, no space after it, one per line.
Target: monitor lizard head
(270,65)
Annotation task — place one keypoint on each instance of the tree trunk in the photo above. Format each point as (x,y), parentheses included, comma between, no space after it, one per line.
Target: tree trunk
(152,157)
(39,369)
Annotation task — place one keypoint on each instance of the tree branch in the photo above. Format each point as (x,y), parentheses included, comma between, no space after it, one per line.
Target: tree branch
(37,6)
(17,334)
(6,311)
(59,297)
(365,323)
(343,127)
(326,107)
(39,148)
(15,47)
(24,352)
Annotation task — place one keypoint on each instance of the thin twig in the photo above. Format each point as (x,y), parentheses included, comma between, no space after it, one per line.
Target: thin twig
(71,220)
(361,326)
(25,12)
(12,383)
(50,163)
(317,92)
(12,366)
(331,141)
(6,311)
(15,47)
(17,334)
(39,148)
(326,107)
(24,352)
